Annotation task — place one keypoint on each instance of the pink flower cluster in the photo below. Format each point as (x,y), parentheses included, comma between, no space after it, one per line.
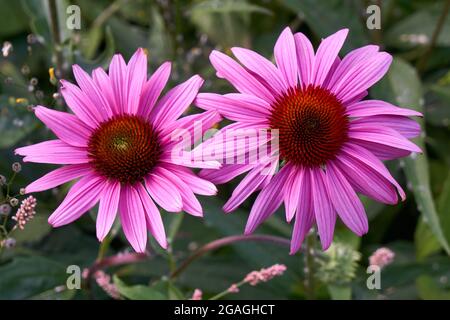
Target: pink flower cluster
(104,281)
(197,295)
(265,274)
(382,257)
(26,211)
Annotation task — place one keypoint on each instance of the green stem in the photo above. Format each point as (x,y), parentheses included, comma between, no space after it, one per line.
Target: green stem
(309,266)
(175,225)
(56,36)
(225,292)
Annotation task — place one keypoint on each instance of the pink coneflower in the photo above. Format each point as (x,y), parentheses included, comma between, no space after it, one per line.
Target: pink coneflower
(330,142)
(118,142)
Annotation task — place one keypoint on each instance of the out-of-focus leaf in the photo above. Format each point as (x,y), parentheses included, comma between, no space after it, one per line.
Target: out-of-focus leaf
(172,292)
(26,277)
(104,58)
(137,292)
(327,17)
(426,242)
(58,293)
(226,22)
(418,28)
(437,110)
(340,292)
(13,20)
(34,231)
(402,87)
(428,289)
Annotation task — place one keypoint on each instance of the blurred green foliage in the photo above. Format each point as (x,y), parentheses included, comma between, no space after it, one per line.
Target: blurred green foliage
(418,230)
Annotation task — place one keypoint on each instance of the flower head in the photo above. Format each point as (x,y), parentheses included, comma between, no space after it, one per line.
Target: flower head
(25,212)
(328,141)
(118,145)
(382,257)
(265,274)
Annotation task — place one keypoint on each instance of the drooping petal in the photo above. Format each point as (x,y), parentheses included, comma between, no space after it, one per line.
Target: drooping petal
(377,107)
(190,203)
(197,184)
(175,102)
(304,217)
(345,201)
(80,104)
(268,200)
(164,192)
(323,208)
(152,89)
(65,126)
(249,184)
(292,193)
(226,172)
(107,210)
(53,151)
(81,197)
(326,55)
(137,76)
(364,156)
(133,218)
(286,57)
(59,176)
(263,67)
(305,58)
(240,78)
(153,217)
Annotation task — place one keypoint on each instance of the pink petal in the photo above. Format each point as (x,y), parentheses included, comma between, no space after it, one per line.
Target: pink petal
(251,182)
(362,76)
(268,200)
(103,82)
(80,104)
(377,107)
(153,217)
(292,193)
(240,78)
(305,58)
(107,210)
(118,76)
(81,198)
(197,184)
(164,192)
(190,203)
(53,151)
(352,58)
(403,125)
(263,67)
(152,89)
(381,135)
(59,176)
(137,76)
(366,157)
(286,57)
(366,180)
(323,208)
(382,151)
(133,218)
(226,172)
(175,102)
(326,55)
(345,201)
(236,107)
(304,217)
(66,127)
(92,92)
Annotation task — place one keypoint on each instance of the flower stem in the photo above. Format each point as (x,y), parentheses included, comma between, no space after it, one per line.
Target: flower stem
(224,242)
(309,266)
(225,292)
(422,63)
(56,36)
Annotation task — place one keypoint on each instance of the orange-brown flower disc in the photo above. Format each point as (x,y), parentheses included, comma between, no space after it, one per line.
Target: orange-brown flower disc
(312,126)
(124,148)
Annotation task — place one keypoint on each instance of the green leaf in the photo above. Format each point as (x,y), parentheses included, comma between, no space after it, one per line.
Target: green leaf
(428,289)
(26,277)
(327,17)
(35,229)
(402,87)
(12,20)
(137,292)
(340,292)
